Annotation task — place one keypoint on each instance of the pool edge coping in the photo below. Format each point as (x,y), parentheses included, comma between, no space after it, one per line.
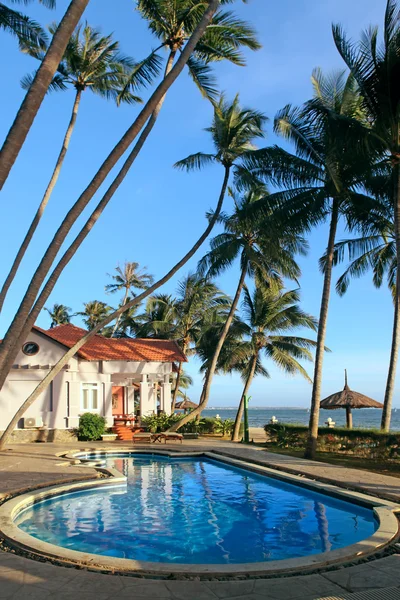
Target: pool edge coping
(385,513)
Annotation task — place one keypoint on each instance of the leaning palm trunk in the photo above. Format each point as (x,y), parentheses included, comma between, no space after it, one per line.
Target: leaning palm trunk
(43,204)
(37,91)
(68,355)
(217,352)
(9,346)
(387,407)
(319,355)
(239,415)
(177,383)
(394,354)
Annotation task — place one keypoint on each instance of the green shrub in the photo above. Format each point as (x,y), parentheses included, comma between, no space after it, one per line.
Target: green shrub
(368,443)
(159,423)
(223,427)
(91,427)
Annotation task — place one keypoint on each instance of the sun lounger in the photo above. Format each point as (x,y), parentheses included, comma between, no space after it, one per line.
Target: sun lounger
(170,437)
(142,437)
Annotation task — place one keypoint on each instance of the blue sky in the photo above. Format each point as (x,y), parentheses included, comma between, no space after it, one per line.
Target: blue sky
(158,212)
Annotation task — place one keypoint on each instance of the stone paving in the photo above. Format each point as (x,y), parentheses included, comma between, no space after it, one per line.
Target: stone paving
(34,465)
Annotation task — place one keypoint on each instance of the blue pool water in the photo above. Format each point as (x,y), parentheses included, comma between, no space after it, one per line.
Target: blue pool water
(197,511)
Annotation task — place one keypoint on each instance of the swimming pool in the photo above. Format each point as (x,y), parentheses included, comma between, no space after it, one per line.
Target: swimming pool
(195,511)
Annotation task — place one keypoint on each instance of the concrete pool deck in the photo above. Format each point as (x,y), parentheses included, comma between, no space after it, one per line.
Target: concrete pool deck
(37,465)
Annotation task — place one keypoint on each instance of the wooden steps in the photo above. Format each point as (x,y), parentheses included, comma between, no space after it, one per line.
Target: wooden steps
(124,434)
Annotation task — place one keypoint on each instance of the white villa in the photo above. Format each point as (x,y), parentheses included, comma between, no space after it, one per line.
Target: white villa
(106,376)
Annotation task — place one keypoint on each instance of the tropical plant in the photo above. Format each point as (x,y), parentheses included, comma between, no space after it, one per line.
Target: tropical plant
(91,62)
(34,97)
(91,427)
(34,299)
(266,252)
(197,299)
(224,427)
(159,317)
(185,381)
(94,313)
(271,316)
(159,423)
(375,66)
(128,278)
(60,315)
(26,30)
(322,180)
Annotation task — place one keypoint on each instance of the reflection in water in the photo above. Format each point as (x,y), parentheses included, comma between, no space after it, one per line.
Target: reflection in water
(323,524)
(197,511)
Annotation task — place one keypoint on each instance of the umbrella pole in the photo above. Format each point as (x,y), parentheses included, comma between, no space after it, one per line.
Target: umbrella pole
(349,418)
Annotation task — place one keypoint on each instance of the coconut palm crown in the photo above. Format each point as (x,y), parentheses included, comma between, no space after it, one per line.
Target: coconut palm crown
(173,22)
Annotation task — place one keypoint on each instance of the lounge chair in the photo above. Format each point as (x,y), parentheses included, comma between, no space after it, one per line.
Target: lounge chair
(142,437)
(171,437)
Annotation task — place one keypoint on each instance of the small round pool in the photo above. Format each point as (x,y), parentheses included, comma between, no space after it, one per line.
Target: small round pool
(196,510)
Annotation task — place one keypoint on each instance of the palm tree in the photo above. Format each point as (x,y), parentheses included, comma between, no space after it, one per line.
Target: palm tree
(159,318)
(265,252)
(128,278)
(374,252)
(173,22)
(95,312)
(321,180)
(198,297)
(60,315)
(34,301)
(375,67)
(128,323)
(26,30)
(270,315)
(91,62)
(34,97)
(185,381)
(232,352)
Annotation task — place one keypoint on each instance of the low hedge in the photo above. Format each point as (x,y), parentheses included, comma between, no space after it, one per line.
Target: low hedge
(364,443)
(206,425)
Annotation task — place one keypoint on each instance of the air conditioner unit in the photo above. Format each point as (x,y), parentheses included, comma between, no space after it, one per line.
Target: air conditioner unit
(32,422)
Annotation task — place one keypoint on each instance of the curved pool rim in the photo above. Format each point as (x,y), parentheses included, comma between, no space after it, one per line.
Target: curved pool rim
(384,511)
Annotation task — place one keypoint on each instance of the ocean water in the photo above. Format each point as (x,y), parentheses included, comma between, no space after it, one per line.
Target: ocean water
(197,511)
(258,417)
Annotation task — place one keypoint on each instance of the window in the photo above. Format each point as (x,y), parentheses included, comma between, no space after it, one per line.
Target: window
(90,395)
(30,348)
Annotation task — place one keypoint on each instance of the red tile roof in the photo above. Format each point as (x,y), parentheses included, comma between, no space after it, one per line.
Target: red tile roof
(102,348)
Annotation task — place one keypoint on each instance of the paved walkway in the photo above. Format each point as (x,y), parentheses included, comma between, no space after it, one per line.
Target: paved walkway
(34,465)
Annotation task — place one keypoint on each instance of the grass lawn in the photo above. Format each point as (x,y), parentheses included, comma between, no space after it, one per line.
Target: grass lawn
(386,468)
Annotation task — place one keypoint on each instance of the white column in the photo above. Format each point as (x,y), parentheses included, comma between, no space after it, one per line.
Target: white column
(153,396)
(74,403)
(146,402)
(166,395)
(106,387)
(130,399)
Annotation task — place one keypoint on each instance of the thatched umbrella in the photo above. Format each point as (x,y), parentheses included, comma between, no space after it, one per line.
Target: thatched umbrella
(348,399)
(185,405)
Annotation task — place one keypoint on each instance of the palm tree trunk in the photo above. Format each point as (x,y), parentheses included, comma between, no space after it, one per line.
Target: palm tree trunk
(37,91)
(64,360)
(319,355)
(176,390)
(239,415)
(217,352)
(36,219)
(394,353)
(9,347)
(119,316)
